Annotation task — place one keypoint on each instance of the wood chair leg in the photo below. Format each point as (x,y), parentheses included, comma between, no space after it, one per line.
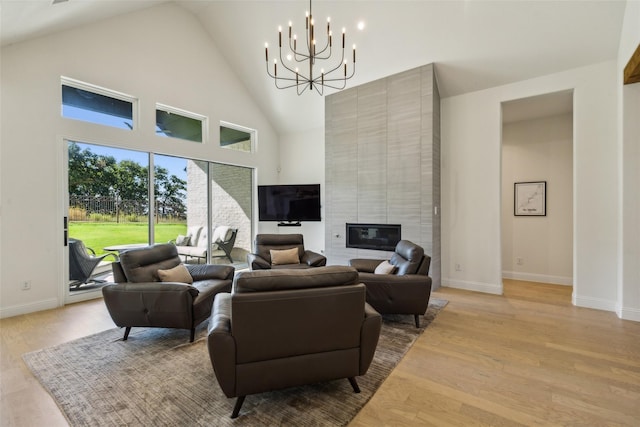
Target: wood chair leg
(126,333)
(354,384)
(237,406)
(417,319)
(193,334)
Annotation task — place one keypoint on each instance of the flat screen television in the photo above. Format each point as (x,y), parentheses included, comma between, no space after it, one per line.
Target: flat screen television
(289,204)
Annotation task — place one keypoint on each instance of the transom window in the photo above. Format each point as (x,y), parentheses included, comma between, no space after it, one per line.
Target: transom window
(82,101)
(236,137)
(174,123)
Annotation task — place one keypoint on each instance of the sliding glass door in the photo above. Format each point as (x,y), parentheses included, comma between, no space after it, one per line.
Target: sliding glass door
(204,208)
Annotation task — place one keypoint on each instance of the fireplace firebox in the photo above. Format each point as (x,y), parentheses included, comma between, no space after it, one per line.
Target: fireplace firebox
(382,237)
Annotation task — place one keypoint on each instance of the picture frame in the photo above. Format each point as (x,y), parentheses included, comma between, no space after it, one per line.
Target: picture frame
(530,198)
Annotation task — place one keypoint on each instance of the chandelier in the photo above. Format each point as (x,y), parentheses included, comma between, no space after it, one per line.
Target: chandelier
(298,60)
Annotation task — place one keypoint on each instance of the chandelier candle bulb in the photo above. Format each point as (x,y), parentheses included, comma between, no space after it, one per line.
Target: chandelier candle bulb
(266,51)
(354,53)
(280,36)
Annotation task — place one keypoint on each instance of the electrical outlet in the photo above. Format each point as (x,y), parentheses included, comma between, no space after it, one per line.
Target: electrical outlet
(519,261)
(458,267)
(26,285)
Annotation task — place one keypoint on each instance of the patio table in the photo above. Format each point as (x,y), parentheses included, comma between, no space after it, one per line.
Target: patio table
(122,248)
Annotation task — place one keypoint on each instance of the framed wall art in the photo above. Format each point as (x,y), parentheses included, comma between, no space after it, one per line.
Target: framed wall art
(530,198)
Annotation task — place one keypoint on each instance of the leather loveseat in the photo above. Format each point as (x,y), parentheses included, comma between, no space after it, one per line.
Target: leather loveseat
(286,328)
(140,298)
(405,289)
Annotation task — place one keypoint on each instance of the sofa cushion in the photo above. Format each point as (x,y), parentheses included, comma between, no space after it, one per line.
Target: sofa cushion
(286,279)
(193,233)
(182,240)
(407,257)
(284,256)
(221,233)
(142,265)
(385,267)
(179,273)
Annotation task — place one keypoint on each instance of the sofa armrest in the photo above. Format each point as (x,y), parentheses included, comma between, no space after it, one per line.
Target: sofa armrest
(365,265)
(256,262)
(222,345)
(313,259)
(210,271)
(369,337)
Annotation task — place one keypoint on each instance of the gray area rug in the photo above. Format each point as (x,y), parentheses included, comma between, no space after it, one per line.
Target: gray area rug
(158,378)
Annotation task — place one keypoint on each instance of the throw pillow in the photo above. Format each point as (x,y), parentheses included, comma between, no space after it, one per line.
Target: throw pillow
(179,273)
(221,233)
(385,267)
(182,240)
(284,256)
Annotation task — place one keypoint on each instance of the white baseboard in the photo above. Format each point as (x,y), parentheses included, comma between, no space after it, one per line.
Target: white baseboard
(627,313)
(597,303)
(487,288)
(541,278)
(31,307)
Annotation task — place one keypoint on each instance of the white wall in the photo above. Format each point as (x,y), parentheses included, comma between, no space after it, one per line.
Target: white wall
(629,160)
(302,162)
(539,150)
(471,183)
(161,55)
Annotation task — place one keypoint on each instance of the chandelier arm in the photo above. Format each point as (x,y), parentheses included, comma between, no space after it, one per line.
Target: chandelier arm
(319,52)
(280,78)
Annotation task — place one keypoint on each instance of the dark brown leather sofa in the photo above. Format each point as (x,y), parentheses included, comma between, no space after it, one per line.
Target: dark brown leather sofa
(285,328)
(265,243)
(406,290)
(139,298)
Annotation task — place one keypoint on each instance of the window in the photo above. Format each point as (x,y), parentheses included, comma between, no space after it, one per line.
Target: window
(236,138)
(81,101)
(174,123)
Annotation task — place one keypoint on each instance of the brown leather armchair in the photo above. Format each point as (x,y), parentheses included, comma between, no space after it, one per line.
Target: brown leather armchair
(139,298)
(406,290)
(265,243)
(285,328)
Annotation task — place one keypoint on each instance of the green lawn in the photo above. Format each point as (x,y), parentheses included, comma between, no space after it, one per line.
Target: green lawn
(97,235)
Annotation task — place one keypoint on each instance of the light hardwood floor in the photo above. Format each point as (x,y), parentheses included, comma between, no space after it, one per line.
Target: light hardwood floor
(525,358)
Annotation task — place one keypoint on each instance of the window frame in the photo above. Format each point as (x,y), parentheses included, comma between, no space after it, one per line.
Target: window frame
(204,121)
(253,136)
(98,90)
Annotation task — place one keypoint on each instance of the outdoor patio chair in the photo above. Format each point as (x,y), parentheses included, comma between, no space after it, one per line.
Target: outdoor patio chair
(82,262)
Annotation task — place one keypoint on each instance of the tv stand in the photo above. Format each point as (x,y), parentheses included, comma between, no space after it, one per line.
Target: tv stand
(289,224)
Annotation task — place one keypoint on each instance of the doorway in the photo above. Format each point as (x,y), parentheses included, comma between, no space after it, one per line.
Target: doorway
(537,157)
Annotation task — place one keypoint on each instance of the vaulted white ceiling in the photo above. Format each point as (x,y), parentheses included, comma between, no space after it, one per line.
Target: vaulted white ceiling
(475,44)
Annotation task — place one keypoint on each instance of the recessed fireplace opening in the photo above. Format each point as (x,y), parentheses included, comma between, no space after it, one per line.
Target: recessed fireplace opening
(381,237)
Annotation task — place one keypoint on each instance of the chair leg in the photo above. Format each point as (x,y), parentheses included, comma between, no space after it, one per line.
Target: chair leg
(354,384)
(417,319)
(193,334)
(237,406)
(126,333)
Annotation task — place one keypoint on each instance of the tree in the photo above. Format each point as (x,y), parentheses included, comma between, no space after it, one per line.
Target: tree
(93,176)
